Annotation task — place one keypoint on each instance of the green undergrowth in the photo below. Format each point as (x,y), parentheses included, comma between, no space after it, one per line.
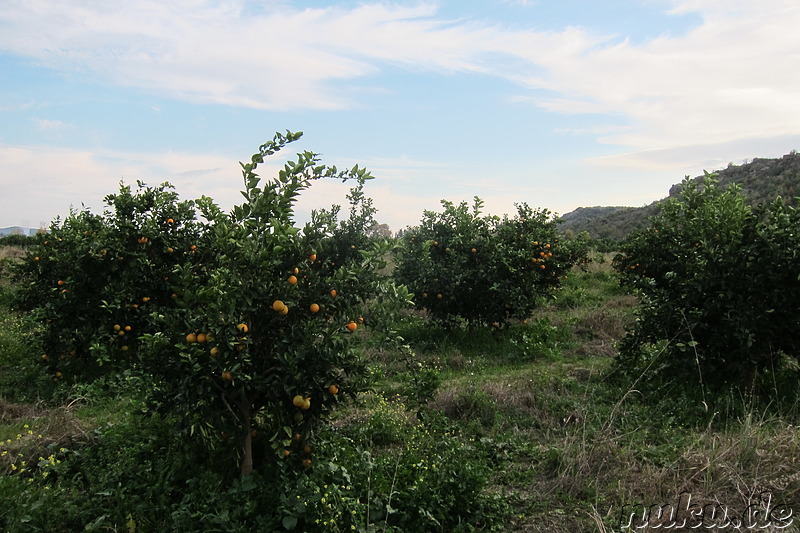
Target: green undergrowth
(517,428)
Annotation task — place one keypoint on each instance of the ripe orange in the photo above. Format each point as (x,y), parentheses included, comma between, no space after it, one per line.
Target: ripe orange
(474,250)
(121,333)
(296,270)
(298,400)
(352,326)
(306,463)
(191,338)
(170,250)
(333,293)
(145,299)
(314,308)
(312,257)
(44,356)
(439,296)
(127,328)
(60,282)
(306,404)
(201,338)
(277,305)
(58,374)
(170,221)
(292,280)
(173,296)
(117,327)
(333,389)
(227,376)
(542,267)
(242,328)
(284,310)
(286,453)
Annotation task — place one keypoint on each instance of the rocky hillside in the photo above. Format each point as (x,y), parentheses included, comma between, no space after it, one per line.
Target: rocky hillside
(761,180)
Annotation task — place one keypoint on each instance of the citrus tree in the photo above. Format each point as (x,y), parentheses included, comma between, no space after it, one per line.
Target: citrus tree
(259,345)
(483,269)
(94,280)
(719,282)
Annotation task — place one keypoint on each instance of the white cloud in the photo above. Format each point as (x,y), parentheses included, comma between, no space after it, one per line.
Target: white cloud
(732,77)
(44,124)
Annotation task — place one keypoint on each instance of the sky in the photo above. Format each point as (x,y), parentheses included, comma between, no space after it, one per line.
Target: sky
(555,103)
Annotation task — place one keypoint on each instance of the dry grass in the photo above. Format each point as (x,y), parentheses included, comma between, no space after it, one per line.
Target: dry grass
(13,253)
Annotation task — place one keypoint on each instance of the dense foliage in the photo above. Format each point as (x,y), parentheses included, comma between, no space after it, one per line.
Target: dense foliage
(243,320)
(719,282)
(483,269)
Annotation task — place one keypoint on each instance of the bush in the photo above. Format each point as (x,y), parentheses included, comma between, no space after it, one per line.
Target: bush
(719,283)
(462,265)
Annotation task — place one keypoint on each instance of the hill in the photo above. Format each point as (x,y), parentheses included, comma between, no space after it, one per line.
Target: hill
(761,180)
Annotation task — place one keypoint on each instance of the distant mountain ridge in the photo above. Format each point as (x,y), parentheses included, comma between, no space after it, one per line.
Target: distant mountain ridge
(761,181)
(18,230)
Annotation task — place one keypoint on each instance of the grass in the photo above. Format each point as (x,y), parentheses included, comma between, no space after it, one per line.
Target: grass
(565,448)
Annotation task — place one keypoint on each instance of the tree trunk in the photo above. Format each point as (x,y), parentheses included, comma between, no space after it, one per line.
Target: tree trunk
(247,440)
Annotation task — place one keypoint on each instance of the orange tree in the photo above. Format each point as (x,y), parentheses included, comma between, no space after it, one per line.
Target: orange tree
(93,280)
(258,347)
(462,265)
(719,283)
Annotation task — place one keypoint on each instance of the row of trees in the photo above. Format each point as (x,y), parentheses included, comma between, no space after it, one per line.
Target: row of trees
(244,321)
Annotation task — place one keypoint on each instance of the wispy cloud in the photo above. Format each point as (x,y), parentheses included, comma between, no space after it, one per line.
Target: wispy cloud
(45,124)
(732,77)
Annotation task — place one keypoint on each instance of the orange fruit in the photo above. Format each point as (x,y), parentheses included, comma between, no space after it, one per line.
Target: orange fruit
(201,338)
(292,280)
(298,400)
(542,267)
(124,348)
(214,351)
(306,404)
(314,308)
(121,333)
(242,328)
(117,327)
(277,305)
(306,463)
(127,328)
(333,389)
(36,258)
(284,310)
(474,250)
(227,376)
(170,221)
(439,296)
(170,250)
(296,270)
(191,338)
(286,453)
(312,257)
(60,282)
(58,374)
(352,326)
(333,293)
